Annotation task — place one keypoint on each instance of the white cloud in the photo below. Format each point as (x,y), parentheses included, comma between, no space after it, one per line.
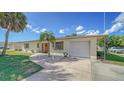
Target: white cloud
(79,28)
(38,30)
(29,26)
(92,32)
(120,18)
(116,27)
(35,29)
(43,30)
(80,32)
(61,31)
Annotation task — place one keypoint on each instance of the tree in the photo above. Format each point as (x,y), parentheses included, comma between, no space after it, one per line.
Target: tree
(122,39)
(101,42)
(114,41)
(111,41)
(49,37)
(13,22)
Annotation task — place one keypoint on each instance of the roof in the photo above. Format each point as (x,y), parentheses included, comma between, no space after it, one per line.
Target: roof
(25,41)
(67,37)
(80,36)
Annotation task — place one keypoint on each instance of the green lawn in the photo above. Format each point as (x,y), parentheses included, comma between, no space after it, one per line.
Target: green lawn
(16,66)
(114,58)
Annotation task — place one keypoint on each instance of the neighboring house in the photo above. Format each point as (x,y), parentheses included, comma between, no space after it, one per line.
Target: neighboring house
(2,45)
(75,46)
(26,46)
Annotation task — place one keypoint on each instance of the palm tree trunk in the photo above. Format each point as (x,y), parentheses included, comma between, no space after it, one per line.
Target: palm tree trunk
(6,42)
(49,50)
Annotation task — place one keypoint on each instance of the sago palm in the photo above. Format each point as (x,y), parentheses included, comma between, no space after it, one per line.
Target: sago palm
(49,37)
(13,22)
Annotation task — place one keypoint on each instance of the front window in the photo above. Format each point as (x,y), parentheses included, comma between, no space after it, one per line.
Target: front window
(59,45)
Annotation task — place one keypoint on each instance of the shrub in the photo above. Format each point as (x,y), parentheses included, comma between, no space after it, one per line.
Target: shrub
(100,54)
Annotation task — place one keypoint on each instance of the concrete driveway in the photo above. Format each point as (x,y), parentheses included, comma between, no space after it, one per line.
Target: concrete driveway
(107,72)
(57,68)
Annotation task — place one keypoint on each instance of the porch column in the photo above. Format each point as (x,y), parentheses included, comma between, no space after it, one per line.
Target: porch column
(50,46)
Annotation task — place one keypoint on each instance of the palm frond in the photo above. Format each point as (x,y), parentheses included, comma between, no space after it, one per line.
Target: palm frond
(16,20)
(47,36)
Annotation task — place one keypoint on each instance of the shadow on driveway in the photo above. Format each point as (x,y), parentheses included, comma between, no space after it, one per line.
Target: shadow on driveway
(61,69)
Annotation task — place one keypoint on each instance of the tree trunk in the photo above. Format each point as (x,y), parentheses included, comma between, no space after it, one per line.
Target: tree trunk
(49,50)
(6,42)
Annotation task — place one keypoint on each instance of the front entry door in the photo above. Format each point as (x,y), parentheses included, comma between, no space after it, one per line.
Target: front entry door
(45,47)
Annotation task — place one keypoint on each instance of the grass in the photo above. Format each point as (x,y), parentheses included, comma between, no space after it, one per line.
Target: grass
(16,66)
(114,58)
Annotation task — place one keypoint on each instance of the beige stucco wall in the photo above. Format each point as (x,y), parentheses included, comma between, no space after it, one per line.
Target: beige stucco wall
(93,47)
(14,46)
(33,46)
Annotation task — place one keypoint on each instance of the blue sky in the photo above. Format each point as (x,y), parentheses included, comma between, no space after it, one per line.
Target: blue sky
(65,23)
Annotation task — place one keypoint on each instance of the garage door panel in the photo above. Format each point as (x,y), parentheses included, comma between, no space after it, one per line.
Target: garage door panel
(79,49)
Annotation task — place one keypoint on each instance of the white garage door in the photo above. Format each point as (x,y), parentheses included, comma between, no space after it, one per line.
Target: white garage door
(79,49)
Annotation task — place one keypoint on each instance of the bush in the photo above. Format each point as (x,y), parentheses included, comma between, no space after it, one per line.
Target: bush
(100,54)
(18,49)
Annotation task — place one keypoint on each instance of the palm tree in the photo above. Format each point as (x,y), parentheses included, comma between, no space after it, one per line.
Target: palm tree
(13,22)
(49,37)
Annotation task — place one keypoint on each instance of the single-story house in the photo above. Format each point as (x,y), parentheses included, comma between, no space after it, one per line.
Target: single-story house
(75,46)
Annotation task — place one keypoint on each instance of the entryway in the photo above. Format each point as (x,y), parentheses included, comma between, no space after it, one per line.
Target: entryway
(45,47)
